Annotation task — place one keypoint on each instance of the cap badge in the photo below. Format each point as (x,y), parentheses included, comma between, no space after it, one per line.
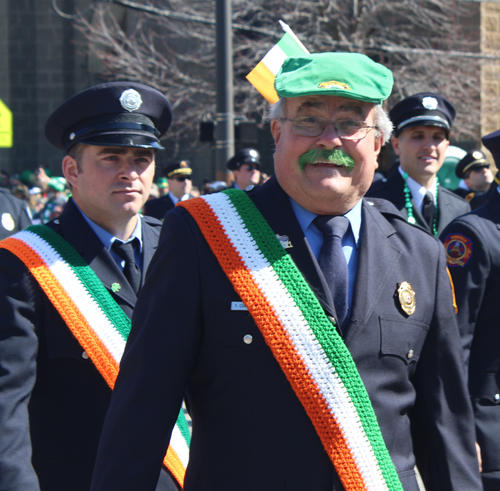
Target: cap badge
(284,241)
(334,84)
(253,153)
(8,222)
(130,100)
(183,164)
(477,155)
(406,297)
(116,287)
(430,103)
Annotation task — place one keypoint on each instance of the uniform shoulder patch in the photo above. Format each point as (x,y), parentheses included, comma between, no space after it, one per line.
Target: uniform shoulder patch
(458,249)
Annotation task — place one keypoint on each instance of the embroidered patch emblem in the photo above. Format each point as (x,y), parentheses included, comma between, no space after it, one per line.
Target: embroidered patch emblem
(469,197)
(406,298)
(131,100)
(458,249)
(430,103)
(116,287)
(8,222)
(284,241)
(334,84)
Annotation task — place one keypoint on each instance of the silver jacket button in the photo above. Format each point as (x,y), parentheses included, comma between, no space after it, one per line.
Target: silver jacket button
(247,339)
(85,356)
(410,354)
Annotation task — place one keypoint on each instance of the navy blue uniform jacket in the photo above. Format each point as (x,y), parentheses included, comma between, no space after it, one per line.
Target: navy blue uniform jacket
(477,288)
(250,431)
(450,205)
(53,399)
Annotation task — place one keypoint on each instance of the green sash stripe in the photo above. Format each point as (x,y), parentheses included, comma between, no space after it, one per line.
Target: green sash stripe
(89,279)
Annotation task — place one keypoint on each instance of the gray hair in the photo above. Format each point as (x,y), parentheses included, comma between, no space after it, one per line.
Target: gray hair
(383,125)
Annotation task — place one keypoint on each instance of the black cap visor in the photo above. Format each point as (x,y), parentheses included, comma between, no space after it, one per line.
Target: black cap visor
(122,140)
(423,120)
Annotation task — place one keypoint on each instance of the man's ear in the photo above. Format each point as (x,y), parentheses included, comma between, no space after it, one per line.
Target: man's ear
(70,169)
(276,130)
(395,145)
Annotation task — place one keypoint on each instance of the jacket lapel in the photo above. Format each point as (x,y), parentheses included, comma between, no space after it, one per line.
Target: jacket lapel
(77,232)
(376,248)
(275,207)
(149,246)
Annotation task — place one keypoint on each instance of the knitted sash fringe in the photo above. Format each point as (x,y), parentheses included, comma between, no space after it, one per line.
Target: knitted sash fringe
(93,316)
(307,346)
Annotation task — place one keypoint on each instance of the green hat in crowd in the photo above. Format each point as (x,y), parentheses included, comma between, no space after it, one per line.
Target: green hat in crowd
(57,183)
(351,75)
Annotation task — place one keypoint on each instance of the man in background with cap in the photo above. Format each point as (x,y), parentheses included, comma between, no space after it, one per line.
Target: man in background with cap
(472,244)
(13,214)
(422,124)
(476,178)
(179,185)
(285,305)
(53,364)
(246,168)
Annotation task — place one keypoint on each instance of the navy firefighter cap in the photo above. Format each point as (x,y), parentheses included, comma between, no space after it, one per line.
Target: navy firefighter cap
(492,142)
(245,156)
(423,109)
(118,114)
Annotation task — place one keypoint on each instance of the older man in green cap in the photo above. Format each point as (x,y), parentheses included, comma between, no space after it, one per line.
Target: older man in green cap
(311,332)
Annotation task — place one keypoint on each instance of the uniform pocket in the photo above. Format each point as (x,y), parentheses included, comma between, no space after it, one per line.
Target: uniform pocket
(403,338)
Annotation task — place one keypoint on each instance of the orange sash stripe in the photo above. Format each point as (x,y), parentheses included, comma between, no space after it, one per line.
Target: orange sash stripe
(80,328)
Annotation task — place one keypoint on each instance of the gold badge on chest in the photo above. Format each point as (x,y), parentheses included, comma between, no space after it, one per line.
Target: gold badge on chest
(406,298)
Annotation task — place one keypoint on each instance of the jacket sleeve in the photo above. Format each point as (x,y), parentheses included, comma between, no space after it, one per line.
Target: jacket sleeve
(155,368)
(18,350)
(442,418)
(469,279)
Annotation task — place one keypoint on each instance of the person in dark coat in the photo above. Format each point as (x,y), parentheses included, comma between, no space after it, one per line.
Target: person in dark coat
(179,184)
(255,424)
(53,398)
(476,178)
(472,244)
(422,124)
(13,214)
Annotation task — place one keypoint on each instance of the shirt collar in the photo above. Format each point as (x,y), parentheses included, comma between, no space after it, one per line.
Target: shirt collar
(106,238)
(418,191)
(306,217)
(174,198)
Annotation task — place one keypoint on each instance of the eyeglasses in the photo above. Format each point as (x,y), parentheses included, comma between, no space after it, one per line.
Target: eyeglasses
(347,129)
(251,167)
(183,178)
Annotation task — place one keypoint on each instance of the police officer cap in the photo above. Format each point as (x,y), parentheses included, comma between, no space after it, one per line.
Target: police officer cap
(118,114)
(424,109)
(245,156)
(178,168)
(472,161)
(492,143)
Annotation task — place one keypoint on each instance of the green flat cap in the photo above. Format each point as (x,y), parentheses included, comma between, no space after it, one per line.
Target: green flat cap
(351,75)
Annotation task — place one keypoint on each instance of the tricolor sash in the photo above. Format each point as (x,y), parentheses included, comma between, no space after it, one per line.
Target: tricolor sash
(93,316)
(307,346)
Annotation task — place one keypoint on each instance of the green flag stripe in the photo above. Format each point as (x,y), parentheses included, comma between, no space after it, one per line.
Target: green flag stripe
(290,46)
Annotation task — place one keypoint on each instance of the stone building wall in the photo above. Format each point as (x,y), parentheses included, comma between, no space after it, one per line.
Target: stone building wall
(490,69)
(40,66)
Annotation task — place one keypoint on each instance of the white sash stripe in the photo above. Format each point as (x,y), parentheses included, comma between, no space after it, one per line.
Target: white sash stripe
(88,307)
(308,347)
(178,442)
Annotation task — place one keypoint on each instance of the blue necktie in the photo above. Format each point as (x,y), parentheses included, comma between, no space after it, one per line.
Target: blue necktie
(332,261)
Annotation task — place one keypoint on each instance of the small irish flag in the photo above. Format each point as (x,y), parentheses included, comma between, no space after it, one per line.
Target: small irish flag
(263,75)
